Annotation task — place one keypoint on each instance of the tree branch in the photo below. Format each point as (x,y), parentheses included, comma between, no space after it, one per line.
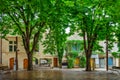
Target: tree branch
(38,23)
(21,10)
(23,38)
(15,21)
(35,41)
(36,36)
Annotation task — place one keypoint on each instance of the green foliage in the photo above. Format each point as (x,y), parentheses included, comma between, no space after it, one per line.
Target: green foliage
(34,58)
(24,18)
(49,44)
(71,56)
(116,54)
(82,61)
(113,10)
(93,21)
(79,42)
(28,19)
(97,48)
(70,62)
(55,38)
(116,17)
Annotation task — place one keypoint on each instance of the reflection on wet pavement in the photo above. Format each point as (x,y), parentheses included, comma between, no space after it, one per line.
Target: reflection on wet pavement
(59,75)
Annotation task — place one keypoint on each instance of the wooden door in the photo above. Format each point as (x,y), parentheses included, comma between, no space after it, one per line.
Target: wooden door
(25,63)
(55,62)
(11,63)
(92,60)
(76,63)
(110,61)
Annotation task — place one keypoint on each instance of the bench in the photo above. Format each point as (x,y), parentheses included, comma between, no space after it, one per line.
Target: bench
(3,67)
(115,69)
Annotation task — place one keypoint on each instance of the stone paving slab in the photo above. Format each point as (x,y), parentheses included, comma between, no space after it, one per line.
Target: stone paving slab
(59,74)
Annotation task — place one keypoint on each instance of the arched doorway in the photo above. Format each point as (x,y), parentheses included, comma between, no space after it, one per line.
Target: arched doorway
(11,63)
(55,62)
(25,63)
(35,60)
(45,62)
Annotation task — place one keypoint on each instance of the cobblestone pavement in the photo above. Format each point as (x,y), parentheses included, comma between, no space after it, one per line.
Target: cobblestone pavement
(59,74)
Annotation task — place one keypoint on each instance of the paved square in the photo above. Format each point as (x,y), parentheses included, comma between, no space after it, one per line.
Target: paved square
(59,74)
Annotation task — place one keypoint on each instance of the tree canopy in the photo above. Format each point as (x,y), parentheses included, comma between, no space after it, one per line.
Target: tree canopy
(94,20)
(26,18)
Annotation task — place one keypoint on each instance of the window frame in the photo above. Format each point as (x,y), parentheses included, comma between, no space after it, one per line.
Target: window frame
(13,46)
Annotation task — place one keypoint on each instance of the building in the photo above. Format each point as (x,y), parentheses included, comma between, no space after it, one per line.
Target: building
(8,54)
(100,59)
(8,48)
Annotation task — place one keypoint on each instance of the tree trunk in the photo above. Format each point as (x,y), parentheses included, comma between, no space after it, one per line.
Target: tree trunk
(60,61)
(60,64)
(30,65)
(88,63)
(60,56)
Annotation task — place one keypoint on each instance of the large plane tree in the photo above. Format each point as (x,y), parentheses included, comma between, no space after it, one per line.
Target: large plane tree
(26,18)
(56,37)
(91,18)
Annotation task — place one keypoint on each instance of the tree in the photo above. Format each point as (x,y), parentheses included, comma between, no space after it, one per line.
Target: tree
(116,54)
(74,49)
(27,18)
(91,21)
(57,35)
(116,16)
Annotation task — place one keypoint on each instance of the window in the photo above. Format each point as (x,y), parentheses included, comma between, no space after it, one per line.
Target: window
(10,42)
(12,46)
(75,47)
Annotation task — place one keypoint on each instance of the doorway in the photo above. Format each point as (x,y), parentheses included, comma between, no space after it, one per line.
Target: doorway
(55,62)
(25,63)
(110,61)
(101,62)
(11,63)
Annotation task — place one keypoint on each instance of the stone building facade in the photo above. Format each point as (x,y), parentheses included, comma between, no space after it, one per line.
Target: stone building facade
(8,54)
(8,50)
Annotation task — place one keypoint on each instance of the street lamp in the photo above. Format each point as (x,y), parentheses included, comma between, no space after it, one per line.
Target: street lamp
(16,55)
(106,54)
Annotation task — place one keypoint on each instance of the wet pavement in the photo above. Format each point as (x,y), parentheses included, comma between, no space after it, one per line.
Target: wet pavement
(59,74)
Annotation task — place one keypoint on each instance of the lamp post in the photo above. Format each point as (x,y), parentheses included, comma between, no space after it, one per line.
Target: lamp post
(16,55)
(107,53)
